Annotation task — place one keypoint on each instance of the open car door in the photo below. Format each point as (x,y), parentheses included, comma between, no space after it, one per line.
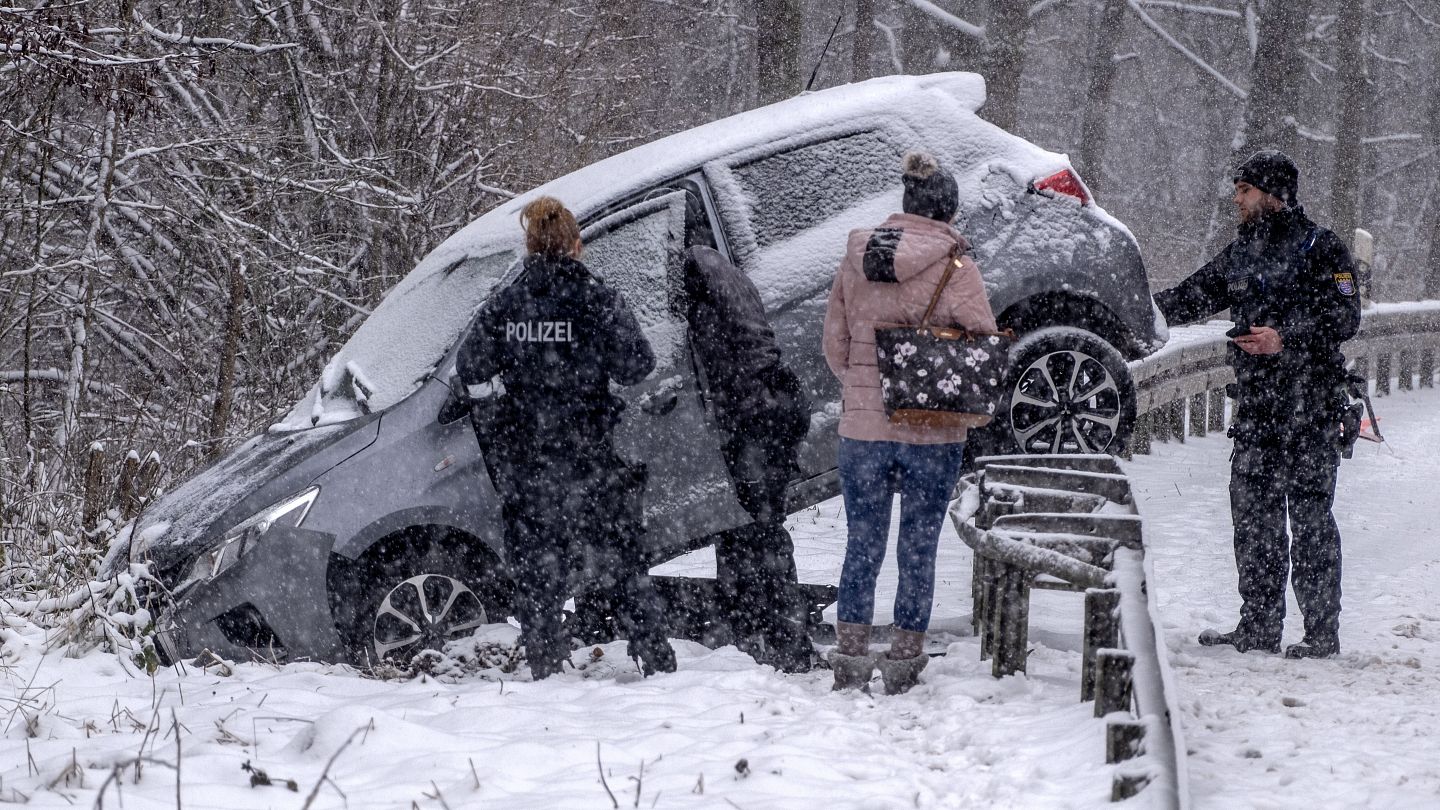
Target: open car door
(639,251)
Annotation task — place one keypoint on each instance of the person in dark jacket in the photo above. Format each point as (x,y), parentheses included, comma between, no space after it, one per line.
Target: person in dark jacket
(1290,287)
(762,409)
(556,338)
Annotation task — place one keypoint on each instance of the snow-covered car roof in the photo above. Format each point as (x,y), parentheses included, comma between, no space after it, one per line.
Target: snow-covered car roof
(600,184)
(409,332)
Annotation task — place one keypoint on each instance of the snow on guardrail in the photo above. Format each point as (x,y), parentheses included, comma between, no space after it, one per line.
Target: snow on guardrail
(1180,390)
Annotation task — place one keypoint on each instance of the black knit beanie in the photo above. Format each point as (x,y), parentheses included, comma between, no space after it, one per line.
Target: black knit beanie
(1271,171)
(930,191)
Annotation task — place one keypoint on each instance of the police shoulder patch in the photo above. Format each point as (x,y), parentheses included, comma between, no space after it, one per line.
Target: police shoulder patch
(1345,282)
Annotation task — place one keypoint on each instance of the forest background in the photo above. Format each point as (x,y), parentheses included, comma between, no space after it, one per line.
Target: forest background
(200,201)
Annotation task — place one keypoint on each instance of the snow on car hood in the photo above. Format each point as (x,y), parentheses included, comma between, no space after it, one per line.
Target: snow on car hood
(401,342)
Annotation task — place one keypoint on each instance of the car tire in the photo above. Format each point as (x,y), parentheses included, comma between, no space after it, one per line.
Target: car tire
(417,597)
(1067,391)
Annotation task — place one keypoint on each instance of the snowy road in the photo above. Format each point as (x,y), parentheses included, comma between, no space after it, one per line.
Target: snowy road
(1360,731)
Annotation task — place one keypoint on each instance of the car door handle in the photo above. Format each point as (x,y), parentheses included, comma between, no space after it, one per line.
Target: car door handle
(659,403)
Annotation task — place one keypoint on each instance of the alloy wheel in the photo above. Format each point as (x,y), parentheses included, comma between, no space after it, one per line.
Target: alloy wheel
(423,612)
(1065,402)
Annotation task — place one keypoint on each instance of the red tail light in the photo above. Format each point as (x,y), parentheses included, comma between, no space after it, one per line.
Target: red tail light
(1064,182)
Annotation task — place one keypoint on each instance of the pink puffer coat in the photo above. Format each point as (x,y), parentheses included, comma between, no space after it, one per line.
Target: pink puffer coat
(888,276)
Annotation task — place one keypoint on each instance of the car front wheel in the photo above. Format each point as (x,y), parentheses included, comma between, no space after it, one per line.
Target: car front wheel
(420,598)
(423,613)
(1068,391)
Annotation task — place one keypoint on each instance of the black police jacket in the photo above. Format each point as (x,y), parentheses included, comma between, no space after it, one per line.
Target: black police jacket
(556,337)
(1285,272)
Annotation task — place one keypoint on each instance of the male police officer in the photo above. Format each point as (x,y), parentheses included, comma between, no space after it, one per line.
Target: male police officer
(1291,290)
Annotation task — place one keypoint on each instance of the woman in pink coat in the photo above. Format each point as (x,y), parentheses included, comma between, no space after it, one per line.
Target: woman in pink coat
(888,276)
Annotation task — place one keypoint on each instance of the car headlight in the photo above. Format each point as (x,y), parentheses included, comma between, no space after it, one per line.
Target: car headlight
(288,513)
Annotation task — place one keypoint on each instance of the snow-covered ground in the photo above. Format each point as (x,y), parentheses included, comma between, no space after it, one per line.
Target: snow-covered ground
(1358,731)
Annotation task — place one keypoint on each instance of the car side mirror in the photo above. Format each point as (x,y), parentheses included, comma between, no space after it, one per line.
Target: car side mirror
(457,403)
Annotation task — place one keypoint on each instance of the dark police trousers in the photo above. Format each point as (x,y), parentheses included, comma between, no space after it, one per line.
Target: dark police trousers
(562,507)
(1271,474)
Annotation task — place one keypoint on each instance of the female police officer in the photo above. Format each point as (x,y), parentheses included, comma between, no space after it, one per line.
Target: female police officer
(556,337)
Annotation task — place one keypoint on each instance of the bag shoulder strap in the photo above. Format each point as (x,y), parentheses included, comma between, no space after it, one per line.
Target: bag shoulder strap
(945,279)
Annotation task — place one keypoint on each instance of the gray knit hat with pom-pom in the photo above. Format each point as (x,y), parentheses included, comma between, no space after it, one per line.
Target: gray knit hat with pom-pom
(930,191)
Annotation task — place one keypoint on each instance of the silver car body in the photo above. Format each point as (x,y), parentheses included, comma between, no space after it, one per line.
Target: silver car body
(783,185)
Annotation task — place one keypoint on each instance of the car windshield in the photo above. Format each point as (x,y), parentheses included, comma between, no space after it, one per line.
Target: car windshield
(401,342)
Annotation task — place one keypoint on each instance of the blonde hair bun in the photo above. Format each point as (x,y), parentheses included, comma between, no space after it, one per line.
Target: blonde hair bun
(550,227)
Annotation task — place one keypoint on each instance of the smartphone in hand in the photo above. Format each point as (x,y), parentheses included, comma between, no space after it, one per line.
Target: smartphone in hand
(1237,330)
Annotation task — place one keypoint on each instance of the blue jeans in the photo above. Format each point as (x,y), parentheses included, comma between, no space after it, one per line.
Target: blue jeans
(926,474)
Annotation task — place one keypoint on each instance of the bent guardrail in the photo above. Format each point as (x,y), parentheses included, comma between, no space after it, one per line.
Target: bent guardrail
(1069,523)
(1180,390)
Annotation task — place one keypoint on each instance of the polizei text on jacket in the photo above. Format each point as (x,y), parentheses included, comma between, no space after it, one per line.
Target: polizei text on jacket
(539,331)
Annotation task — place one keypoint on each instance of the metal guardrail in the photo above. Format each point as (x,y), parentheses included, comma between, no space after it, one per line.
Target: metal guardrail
(1069,523)
(1180,390)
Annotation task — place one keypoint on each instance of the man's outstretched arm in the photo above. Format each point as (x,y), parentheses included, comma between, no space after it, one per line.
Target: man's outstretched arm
(1201,295)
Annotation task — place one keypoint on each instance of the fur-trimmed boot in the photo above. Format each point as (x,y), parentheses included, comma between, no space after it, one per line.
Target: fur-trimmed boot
(851,661)
(901,666)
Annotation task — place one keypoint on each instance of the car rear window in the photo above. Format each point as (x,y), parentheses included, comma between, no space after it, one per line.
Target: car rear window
(802,187)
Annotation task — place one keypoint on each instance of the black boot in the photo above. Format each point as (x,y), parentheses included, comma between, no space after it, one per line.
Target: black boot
(1244,642)
(1313,648)
(653,656)
(545,662)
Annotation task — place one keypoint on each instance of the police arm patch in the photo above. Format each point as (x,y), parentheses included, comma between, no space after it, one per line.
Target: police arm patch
(1345,283)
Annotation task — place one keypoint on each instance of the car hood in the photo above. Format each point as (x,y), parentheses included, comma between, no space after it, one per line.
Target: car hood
(268,467)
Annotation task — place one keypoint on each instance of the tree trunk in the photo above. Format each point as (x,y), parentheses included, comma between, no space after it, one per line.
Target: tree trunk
(1349,151)
(1094,128)
(225,381)
(1270,109)
(777,49)
(1432,264)
(863,50)
(1005,61)
(1275,78)
(921,43)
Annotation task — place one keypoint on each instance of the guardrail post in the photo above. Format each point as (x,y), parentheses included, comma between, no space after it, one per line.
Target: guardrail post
(1176,416)
(1427,367)
(1124,739)
(1382,374)
(1198,422)
(1407,370)
(977,597)
(1217,410)
(1113,685)
(1127,785)
(1011,630)
(1160,424)
(989,586)
(1102,630)
(1140,436)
